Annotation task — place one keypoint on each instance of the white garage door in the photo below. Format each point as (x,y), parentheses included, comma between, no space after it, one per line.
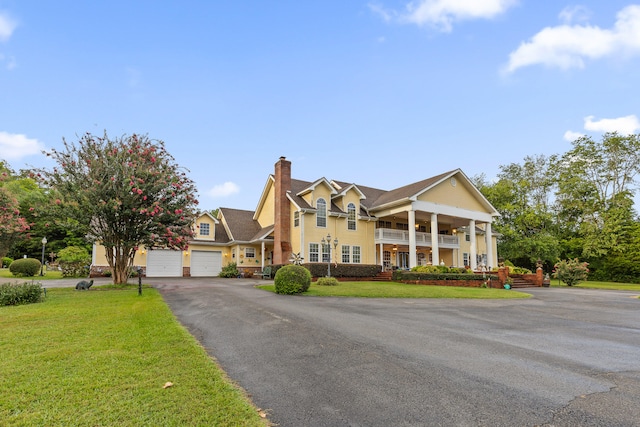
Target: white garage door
(164,263)
(206,263)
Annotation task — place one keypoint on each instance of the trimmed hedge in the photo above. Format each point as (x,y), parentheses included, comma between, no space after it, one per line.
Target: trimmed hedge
(292,279)
(400,275)
(25,267)
(319,269)
(16,294)
(6,261)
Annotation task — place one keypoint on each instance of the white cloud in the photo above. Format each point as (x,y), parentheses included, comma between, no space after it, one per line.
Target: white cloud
(568,46)
(441,14)
(224,190)
(624,125)
(572,136)
(7,25)
(15,146)
(571,14)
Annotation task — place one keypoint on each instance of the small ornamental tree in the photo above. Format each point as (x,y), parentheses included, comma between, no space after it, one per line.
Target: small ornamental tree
(571,271)
(12,223)
(127,191)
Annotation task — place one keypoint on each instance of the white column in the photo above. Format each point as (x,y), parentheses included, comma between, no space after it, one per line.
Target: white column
(382,256)
(489,244)
(413,259)
(435,249)
(473,250)
(262,257)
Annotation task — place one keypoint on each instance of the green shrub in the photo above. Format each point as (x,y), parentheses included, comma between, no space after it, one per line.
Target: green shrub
(327,281)
(229,270)
(292,279)
(6,261)
(74,261)
(25,267)
(571,271)
(15,294)
(435,269)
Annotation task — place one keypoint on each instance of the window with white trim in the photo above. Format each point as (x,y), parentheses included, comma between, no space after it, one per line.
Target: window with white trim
(204,229)
(326,252)
(465,259)
(346,254)
(351,216)
(296,218)
(321,213)
(313,252)
(386,259)
(355,254)
(250,252)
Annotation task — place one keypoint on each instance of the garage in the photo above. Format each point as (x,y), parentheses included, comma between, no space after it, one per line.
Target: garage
(206,263)
(164,263)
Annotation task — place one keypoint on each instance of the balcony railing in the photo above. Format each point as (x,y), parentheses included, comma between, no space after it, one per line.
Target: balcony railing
(401,237)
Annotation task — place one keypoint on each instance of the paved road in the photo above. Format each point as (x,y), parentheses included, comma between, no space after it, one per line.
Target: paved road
(566,357)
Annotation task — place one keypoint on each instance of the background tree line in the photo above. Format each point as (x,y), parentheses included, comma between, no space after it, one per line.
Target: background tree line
(128,191)
(575,205)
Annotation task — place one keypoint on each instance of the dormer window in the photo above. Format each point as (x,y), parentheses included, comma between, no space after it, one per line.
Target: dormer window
(351,216)
(321,213)
(204,229)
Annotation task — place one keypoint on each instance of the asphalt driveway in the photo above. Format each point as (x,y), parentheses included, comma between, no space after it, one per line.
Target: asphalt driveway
(566,357)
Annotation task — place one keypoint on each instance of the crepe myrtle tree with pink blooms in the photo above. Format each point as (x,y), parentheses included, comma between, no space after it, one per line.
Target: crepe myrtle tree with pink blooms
(128,191)
(571,271)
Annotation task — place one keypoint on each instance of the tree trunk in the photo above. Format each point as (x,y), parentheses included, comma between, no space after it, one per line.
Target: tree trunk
(120,260)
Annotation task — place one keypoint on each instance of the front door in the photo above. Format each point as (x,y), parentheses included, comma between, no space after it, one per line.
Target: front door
(403,260)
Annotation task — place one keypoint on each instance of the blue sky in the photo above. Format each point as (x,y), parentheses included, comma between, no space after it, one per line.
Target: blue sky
(381,93)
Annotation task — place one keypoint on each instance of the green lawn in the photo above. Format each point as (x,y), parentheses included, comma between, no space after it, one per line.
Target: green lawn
(600,285)
(401,290)
(102,357)
(48,275)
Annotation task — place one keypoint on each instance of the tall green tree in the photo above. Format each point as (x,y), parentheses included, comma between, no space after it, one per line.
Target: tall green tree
(127,191)
(596,183)
(523,195)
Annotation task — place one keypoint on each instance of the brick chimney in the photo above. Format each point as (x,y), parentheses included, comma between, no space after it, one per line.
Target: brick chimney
(282,222)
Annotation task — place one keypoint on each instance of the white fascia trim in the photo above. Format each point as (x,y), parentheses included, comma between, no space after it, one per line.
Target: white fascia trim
(315,184)
(263,196)
(452,211)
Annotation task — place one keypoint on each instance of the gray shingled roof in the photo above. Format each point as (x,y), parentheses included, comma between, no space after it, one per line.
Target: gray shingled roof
(407,191)
(241,224)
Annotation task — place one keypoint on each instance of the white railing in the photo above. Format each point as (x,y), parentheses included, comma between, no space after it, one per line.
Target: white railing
(401,237)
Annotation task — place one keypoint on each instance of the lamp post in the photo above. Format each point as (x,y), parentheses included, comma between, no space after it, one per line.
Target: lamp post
(44,242)
(328,243)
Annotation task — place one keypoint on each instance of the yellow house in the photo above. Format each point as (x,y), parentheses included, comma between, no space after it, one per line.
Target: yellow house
(440,220)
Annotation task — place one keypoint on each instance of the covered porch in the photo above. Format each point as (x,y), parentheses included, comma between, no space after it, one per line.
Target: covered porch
(409,237)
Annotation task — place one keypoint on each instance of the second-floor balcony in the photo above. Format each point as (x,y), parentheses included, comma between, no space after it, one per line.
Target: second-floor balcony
(401,237)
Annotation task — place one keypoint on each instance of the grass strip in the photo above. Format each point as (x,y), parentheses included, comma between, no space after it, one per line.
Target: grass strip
(401,290)
(48,275)
(102,357)
(614,286)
